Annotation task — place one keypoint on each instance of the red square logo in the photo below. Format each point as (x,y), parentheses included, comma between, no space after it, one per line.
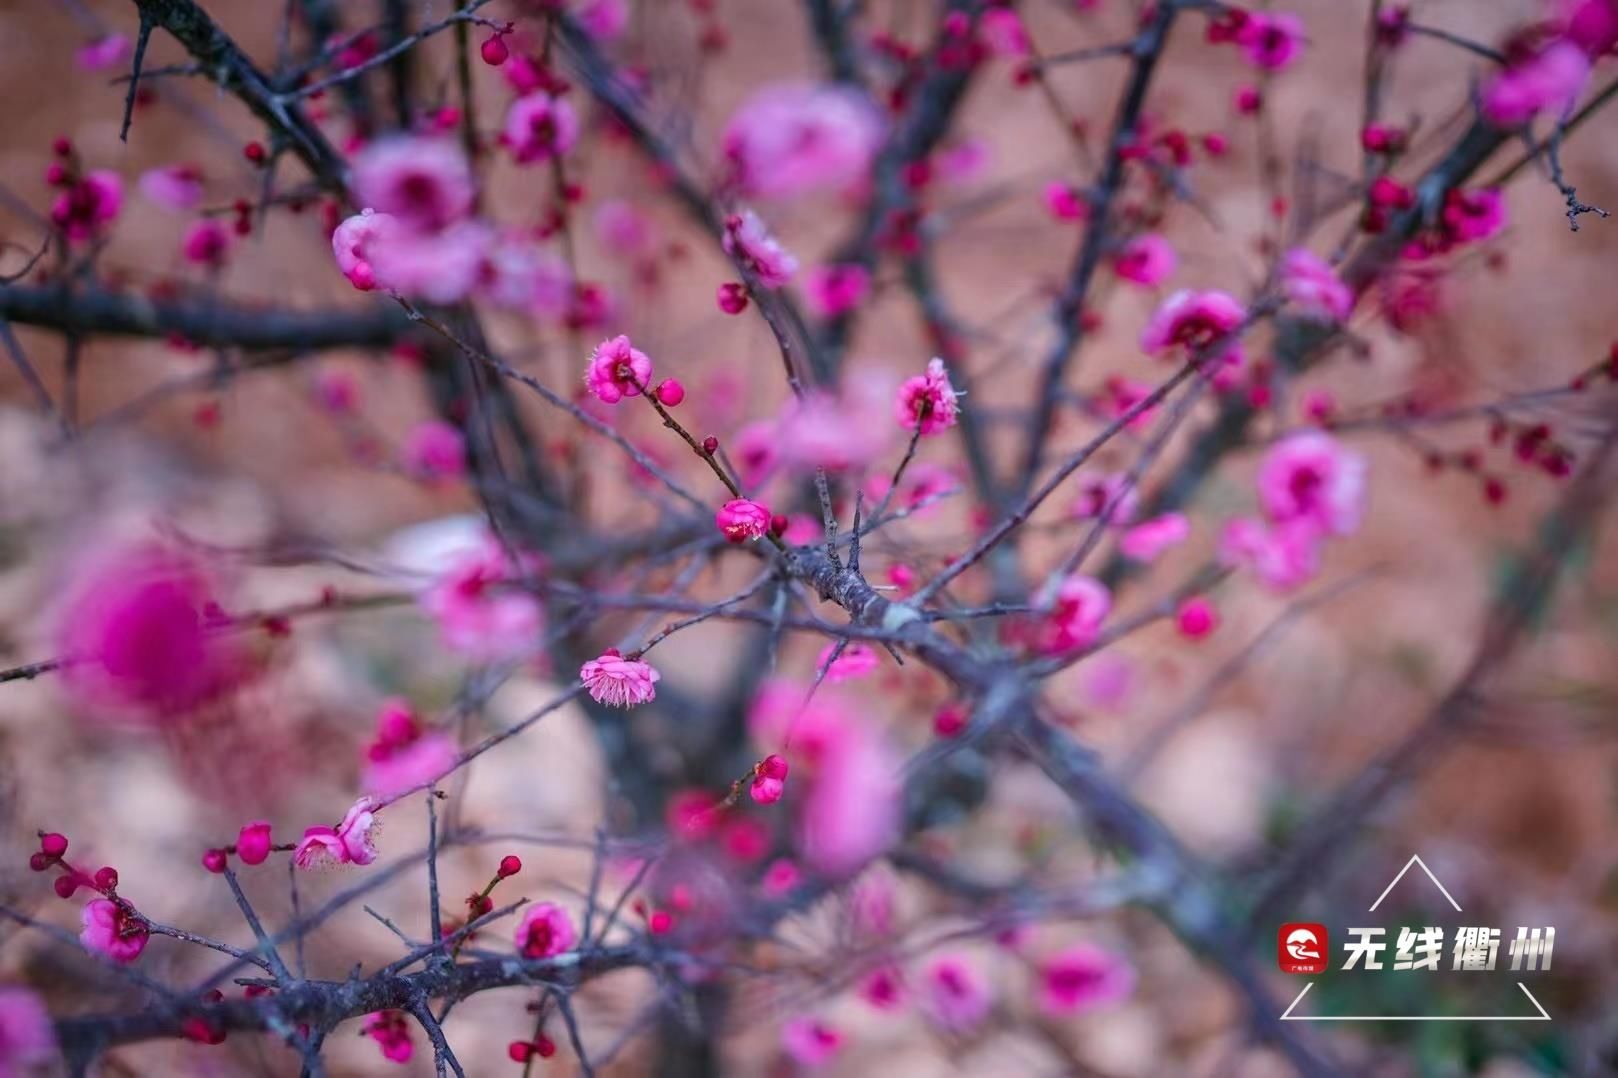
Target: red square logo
(1302,948)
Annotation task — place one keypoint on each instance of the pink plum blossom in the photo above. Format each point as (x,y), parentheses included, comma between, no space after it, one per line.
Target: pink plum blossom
(619,682)
(837,432)
(850,810)
(439,267)
(1311,477)
(391,1031)
(350,842)
(810,1042)
(1146,260)
(102,53)
(253,843)
(1193,319)
(1079,606)
(1283,556)
(434,450)
(883,988)
(755,451)
(955,994)
(1271,40)
(790,138)
(423,181)
(520,275)
(403,756)
(27,1038)
(1548,79)
(856,661)
(1312,284)
(769,780)
(617,370)
(1470,216)
(1196,618)
(621,227)
(206,244)
(84,209)
(603,19)
(114,929)
(173,187)
(1112,494)
(1146,542)
(1083,978)
(1064,203)
(480,611)
(545,930)
(927,402)
(137,624)
(351,245)
(1003,32)
(751,244)
(742,519)
(836,289)
(539,127)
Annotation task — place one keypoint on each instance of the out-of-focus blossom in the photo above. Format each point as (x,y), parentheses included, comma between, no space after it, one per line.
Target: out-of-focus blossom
(1283,556)
(1193,319)
(1083,978)
(619,682)
(102,53)
(1079,606)
(1064,203)
(856,661)
(791,138)
(955,994)
(623,229)
(520,275)
(539,127)
(1271,40)
(1146,260)
(206,243)
(174,187)
(27,1037)
(403,755)
(1311,477)
(1550,78)
(836,289)
(602,19)
(391,1031)
(1146,542)
(423,181)
(810,1042)
(439,267)
(1099,492)
(750,243)
(545,930)
(480,611)
(84,209)
(434,450)
(1004,34)
(1314,286)
(838,432)
(1474,215)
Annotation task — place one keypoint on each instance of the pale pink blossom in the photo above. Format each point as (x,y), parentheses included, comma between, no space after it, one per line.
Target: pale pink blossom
(434,450)
(102,53)
(602,19)
(837,432)
(755,451)
(1548,79)
(404,756)
(439,267)
(790,138)
(856,661)
(391,1031)
(1194,319)
(1312,284)
(836,289)
(423,181)
(175,187)
(1310,476)
(520,275)
(742,519)
(617,370)
(1003,32)
(1109,681)
(1283,556)
(351,244)
(480,610)
(920,489)
(927,401)
(1112,494)
(619,682)
(539,127)
(1147,541)
(622,228)
(850,812)
(137,623)
(1083,978)
(545,930)
(955,994)
(1271,40)
(1146,260)
(1078,607)
(1123,394)
(810,1042)
(751,244)
(963,162)
(113,929)
(350,842)
(27,1037)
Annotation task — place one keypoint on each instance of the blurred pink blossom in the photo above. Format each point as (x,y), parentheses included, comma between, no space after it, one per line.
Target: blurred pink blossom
(480,611)
(791,138)
(539,127)
(423,181)
(1083,978)
(545,930)
(27,1037)
(955,994)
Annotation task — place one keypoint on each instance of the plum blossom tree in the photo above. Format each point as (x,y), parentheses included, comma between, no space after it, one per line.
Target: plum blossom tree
(917,559)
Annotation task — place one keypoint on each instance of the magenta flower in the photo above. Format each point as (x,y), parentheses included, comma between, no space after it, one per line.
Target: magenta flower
(750,243)
(403,756)
(741,519)
(1083,978)
(27,1038)
(1147,541)
(1081,603)
(955,994)
(423,181)
(1112,494)
(1193,319)
(836,289)
(883,988)
(545,930)
(791,138)
(352,242)
(350,842)
(253,843)
(137,624)
(206,244)
(435,451)
(443,266)
(113,929)
(1310,477)
(810,1042)
(1312,284)
(480,611)
(1283,556)
(1196,618)
(391,1031)
(603,19)
(519,275)
(927,401)
(176,187)
(850,811)
(1548,79)
(1146,260)
(102,53)
(85,208)
(1474,215)
(769,780)
(619,682)
(617,370)
(1064,203)
(856,661)
(1271,40)
(539,127)
(836,432)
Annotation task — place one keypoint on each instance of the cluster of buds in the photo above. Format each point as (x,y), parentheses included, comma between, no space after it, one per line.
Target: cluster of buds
(112,925)
(253,846)
(481,903)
